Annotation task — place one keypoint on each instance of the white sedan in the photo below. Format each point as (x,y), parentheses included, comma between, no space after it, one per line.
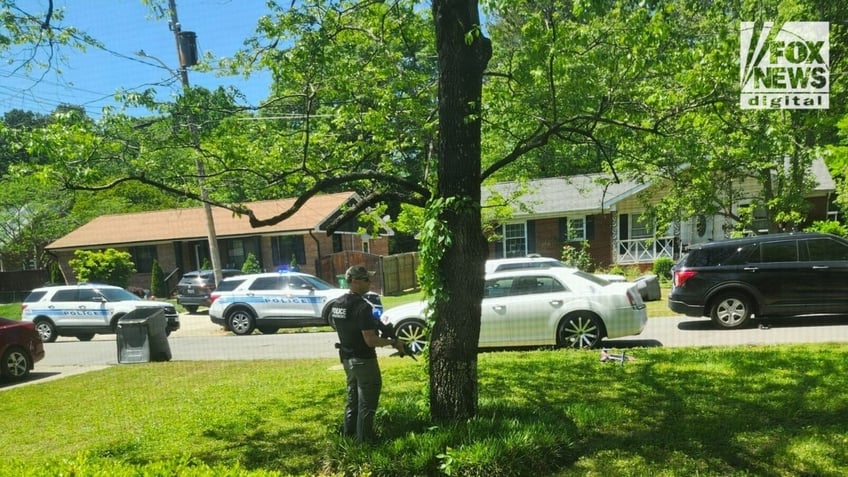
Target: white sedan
(537,307)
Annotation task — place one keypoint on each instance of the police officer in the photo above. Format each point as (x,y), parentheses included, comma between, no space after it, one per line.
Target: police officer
(356,326)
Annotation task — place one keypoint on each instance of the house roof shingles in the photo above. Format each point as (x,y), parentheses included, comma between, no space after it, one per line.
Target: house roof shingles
(587,194)
(556,195)
(190,224)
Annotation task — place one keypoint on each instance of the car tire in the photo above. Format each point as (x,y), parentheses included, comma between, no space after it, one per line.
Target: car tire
(191,308)
(731,310)
(268,330)
(15,364)
(47,330)
(414,334)
(86,337)
(241,322)
(580,330)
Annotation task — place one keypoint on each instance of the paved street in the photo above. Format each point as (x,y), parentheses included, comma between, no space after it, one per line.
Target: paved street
(199,339)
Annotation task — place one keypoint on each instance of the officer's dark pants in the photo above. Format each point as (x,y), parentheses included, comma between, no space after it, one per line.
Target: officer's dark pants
(363,394)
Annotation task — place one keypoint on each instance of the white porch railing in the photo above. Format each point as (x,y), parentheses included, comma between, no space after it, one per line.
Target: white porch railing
(644,249)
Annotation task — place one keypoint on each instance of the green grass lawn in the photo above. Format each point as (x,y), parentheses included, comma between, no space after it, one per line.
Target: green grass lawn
(739,411)
(11,311)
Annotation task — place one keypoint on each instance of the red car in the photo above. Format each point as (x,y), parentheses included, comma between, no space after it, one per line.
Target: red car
(20,348)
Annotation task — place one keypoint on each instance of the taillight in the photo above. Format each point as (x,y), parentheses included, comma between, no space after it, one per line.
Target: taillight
(213,297)
(631,298)
(681,276)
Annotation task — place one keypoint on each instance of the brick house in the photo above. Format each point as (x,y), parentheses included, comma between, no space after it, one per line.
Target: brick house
(177,238)
(548,213)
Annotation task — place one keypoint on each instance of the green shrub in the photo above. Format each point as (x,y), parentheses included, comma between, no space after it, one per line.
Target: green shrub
(251,264)
(578,258)
(56,273)
(108,266)
(615,270)
(662,267)
(158,287)
(828,227)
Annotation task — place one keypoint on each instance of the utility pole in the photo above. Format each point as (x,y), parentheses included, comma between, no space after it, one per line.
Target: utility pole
(201,170)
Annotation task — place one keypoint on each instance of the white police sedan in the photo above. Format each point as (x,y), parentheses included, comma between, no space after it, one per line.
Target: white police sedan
(270,301)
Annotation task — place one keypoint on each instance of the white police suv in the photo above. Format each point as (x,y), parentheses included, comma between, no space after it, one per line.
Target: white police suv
(270,301)
(84,310)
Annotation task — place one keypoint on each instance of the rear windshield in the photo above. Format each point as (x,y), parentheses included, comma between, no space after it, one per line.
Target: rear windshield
(229,285)
(592,278)
(35,296)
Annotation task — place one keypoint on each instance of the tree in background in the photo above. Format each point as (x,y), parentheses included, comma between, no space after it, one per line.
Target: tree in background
(158,287)
(108,266)
(251,264)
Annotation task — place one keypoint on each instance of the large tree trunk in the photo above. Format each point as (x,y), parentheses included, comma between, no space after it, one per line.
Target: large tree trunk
(453,348)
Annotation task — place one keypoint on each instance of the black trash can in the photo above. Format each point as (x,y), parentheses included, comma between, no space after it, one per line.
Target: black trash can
(143,336)
(649,287)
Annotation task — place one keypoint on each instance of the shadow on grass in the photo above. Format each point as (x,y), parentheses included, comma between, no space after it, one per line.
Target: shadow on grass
(33,378)
(706,324)
(732,410)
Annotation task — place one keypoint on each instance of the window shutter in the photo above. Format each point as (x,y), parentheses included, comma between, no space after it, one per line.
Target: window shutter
(531,236)
(499,244)
(623,228)
(590,227)
(563,230)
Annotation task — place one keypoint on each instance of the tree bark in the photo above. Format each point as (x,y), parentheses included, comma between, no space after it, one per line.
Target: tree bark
(463,54)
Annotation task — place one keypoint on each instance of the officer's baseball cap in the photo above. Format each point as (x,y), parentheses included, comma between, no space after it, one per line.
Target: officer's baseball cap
(357,272)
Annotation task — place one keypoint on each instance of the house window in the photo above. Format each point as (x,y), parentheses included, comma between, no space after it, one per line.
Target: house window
(286,247)
(515,240)
(759,218)
(641,227)
(143,258)
(235,253)
(237,250)
(575,229)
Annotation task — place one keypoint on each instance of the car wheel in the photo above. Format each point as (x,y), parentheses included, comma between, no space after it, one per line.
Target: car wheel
(15,364)
(268,330)
(580,330)
(240,322)
(86,337)
(46,330)
(414,334)
(191,308)
(731,310)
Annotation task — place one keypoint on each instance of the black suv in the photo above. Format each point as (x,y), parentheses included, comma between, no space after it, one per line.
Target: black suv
(733,280)
(194,288)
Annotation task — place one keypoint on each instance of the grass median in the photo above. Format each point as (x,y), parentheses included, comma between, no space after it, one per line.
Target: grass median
(768,410)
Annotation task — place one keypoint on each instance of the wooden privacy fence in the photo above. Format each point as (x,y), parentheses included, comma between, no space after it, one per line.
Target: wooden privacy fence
(392,274)
(399,272)
(15,286)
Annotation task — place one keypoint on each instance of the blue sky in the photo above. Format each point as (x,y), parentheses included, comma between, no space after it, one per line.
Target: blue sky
(91,78)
